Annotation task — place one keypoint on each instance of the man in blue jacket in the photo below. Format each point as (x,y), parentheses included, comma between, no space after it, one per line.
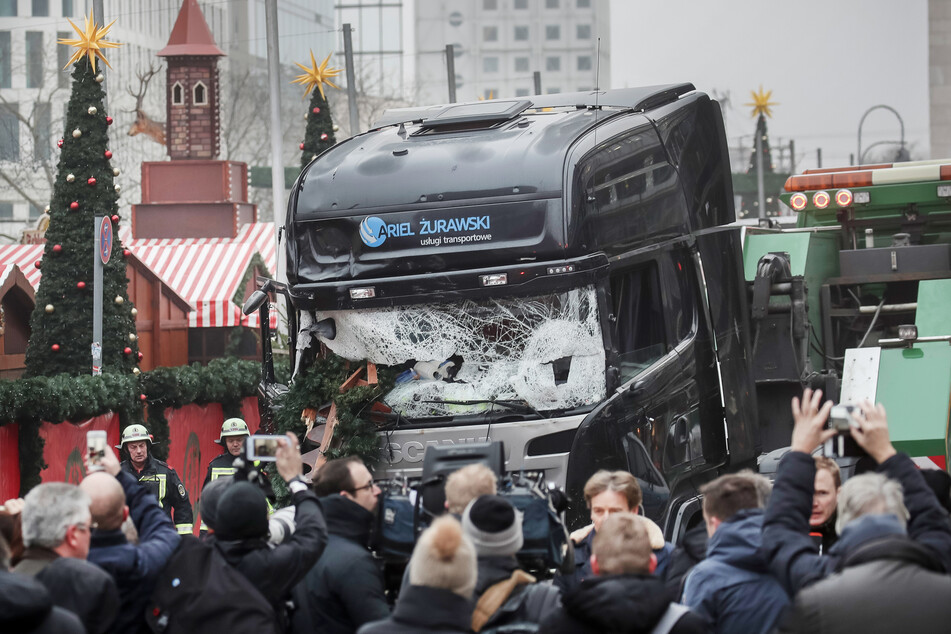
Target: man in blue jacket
(116,495)
(732,587)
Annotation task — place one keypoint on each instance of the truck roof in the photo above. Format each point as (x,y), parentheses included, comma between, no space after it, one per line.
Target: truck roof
(487,149)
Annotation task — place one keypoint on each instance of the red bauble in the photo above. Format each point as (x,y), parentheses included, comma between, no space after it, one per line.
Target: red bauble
(323,137)
(302,146)
(55,347)
(108,154)
(80,285)
(316,110)
(140,355)
(59,143)
(126,253)
(128,351)
(37,264)
(143,397)
(74,205)
(92,181)
(115,217)
(57,248)
(108,120)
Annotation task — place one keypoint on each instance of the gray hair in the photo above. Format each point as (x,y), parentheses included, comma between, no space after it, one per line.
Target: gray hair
(867,494)
(49,509)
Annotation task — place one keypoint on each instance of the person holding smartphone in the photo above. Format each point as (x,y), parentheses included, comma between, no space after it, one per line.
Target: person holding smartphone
(156,476)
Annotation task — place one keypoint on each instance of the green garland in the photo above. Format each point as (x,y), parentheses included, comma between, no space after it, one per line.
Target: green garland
(28,402)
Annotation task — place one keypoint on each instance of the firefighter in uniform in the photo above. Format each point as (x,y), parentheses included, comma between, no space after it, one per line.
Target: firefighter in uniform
(234,433)
(156,476)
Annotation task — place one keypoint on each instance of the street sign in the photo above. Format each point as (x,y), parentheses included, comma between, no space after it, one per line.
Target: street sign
(105,239)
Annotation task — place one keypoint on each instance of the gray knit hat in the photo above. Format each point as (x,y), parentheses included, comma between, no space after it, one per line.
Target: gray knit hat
(493,525)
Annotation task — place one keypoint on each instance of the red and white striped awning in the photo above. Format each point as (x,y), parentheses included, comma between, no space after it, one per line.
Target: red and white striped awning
(24,256)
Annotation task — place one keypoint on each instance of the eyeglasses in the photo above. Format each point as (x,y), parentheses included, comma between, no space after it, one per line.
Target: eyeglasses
(91,526)
(365,486)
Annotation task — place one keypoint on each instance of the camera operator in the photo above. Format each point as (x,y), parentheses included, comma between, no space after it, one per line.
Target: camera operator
(241,530)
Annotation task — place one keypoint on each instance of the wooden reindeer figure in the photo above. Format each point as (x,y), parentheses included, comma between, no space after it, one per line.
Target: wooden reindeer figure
(145,124)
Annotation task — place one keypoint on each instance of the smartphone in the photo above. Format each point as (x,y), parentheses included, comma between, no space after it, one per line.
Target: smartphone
(96,448)
(264,448)
(840,417)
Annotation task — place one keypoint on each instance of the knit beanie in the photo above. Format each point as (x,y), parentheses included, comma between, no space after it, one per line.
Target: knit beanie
(241,513)
(444,558)
(210,497)
(493,525)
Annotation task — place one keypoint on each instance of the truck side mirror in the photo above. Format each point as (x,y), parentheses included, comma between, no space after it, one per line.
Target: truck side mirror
(254,302)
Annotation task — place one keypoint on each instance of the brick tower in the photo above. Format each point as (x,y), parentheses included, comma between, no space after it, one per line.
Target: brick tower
(194,195)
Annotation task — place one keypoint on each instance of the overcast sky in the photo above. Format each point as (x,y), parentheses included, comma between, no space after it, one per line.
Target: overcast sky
(826,61)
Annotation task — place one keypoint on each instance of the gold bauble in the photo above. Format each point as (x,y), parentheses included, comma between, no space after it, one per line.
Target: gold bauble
(91,110)
(132,336)
(77,133)
(336,128)
(116,171)
(70,178)
(100,78)
(136,371)
(118,188)
(119,299)
(46,209)
(49,308)
(134,311)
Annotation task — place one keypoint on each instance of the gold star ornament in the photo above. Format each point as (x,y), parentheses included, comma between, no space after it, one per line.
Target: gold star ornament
(317,75)
(90,43)
(761,103)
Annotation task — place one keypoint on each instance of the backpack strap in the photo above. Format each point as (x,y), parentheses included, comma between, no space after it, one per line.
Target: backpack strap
(667,622)
(495,595)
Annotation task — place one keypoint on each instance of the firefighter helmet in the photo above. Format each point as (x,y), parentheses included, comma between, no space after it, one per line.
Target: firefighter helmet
(133,433)
(233,427)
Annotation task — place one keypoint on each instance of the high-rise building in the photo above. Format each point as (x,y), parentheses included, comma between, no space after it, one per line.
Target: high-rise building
(498,45)
(939,76)
(377,39)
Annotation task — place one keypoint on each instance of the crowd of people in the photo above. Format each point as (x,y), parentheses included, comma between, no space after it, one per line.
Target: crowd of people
(805,553)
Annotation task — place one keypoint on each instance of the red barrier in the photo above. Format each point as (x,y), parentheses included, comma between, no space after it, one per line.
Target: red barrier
(65,446)
(9,462)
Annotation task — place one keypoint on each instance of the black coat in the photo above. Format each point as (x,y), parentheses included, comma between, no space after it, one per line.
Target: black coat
(275,571)
(528,603)
(692,550)
(345,588)
(424,610)
(219,466)
(162,482)
(26,607)
(76,585)
(794,557)
(617,604)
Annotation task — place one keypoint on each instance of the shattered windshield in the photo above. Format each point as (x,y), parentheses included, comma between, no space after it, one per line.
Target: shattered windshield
(546,351)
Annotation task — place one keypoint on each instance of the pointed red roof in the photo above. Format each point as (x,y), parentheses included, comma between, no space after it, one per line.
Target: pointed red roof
(191,35)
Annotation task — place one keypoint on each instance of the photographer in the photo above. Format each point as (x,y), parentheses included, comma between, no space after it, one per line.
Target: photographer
(241,530)
(892,568)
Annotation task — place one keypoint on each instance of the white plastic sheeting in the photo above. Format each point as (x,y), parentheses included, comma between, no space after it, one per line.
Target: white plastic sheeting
(506,347)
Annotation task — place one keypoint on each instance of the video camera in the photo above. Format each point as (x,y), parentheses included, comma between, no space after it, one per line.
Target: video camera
(408,506)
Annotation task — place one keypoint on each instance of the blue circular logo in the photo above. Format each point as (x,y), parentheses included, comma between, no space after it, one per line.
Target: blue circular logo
(373,231)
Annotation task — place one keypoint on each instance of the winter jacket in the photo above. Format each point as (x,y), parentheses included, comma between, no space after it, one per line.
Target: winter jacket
(345,587)
(661,548)
(422,609)
(886,583)
(26,607)
(75,585)
(732,588)
(825,533)
(162,482)
(528,603)
(620,604)
(135,568)
(275,571)
(692,550)
(220,466)
(793,555)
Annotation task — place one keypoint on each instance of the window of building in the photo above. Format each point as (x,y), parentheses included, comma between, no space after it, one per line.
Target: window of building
(521,5)
(63,54)
(490,64)
(551,4)
(42,130)
(584,4)
(9,132)
(521,64)
(584,62)
(6,211)
(200,94)
(552,63)
(522,92)
(583,31)
(490,34)
(34,59)
(41,8)
(35,212)
(8,8)
(521,34)
(490,5)
(6,68)
(455,18)
(552,32)
(67,8)
(459,83)
(178,94)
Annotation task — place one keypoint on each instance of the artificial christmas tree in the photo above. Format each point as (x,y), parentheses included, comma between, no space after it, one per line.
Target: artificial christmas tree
(320,128)
(61,325)
(762,108)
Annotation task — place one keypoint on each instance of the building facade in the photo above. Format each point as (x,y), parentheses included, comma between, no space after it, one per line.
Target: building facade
(498,45)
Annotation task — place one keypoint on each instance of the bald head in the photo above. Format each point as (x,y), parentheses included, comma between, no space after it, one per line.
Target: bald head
(107,500)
